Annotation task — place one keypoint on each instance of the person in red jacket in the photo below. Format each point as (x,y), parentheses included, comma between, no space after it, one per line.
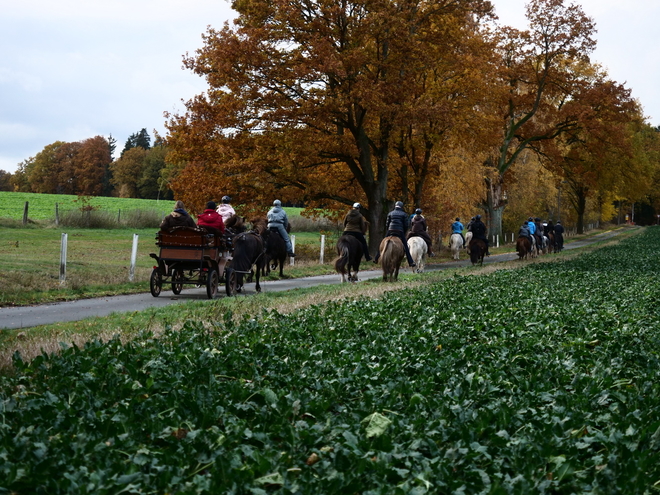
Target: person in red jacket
(211,220)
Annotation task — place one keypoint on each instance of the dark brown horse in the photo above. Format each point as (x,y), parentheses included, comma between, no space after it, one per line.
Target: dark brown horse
(523,247)
(391,256)
(477,249)
(349,250)
(248,251)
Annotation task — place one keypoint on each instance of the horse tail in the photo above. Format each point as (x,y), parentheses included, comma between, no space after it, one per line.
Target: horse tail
(342,261)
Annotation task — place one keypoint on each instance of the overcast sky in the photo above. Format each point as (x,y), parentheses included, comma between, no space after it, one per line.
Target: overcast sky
(74,69)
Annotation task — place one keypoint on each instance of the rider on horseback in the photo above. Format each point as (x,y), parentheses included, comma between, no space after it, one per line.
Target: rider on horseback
(559,236)
(524,232)
(397,224)
(277,219)
(457,228)
(356,225)
(479,231)
(418,228)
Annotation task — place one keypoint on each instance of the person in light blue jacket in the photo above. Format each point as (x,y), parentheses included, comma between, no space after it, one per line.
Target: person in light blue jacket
(457,228)
(277,218)
(531,226)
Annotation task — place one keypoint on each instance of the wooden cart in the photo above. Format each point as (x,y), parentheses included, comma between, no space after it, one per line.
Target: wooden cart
(191,256)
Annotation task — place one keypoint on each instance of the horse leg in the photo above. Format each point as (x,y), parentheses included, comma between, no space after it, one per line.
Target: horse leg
(257,286)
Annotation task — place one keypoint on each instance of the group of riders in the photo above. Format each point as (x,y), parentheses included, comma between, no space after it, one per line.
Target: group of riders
(537,232)
(398,224)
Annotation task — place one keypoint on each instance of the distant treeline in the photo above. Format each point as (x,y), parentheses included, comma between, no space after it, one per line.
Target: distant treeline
(86,168)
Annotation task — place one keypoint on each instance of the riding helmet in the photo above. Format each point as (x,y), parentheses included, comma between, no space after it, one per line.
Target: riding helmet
(357,205)
(418,211)
(458,219)
(211,205)
(226,199)
(398,204)
(277,202)
(478,217)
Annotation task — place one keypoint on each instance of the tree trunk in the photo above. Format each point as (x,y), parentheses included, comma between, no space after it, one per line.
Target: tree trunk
(580,208)
(495,204)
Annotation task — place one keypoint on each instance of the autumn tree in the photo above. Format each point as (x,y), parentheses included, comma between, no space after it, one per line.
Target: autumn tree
(127,172)
(5,181)
(325,101)
(536,77)
(91,166)
(597,155)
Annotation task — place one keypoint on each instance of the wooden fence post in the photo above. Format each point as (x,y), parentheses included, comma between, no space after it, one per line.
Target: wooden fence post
(63,259)
(293,247)
(57,214)
(131,271)
(25,213)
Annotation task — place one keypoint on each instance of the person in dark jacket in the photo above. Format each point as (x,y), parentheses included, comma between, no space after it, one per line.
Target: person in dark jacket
(479,231)
(356,225)
(418,228)
(397,225)
(178,218)
(211,219)
(559,236)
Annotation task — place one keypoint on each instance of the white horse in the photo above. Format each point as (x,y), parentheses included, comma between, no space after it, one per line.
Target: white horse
(455,244)
(468,238)
(418,250)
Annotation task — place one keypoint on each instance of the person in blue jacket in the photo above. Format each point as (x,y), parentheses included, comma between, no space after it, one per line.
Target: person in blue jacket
(457,228)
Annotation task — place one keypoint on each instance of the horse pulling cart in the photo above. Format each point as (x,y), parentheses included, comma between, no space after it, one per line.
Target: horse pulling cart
(192,256)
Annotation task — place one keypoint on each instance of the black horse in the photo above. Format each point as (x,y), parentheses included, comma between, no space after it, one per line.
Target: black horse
(349,250)
(248,251)
(275,251)
(477,251)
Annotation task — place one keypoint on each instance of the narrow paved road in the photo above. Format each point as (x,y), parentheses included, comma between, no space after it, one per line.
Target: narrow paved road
(32,316)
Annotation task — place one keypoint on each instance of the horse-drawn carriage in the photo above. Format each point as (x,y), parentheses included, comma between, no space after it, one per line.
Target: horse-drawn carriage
(192,256)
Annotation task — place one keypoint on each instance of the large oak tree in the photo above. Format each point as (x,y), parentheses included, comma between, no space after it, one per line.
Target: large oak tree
(330,101)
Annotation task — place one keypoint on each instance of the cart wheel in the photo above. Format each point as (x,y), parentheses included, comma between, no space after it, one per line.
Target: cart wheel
(211,284)
(177,281)
(230,282)
(155,282)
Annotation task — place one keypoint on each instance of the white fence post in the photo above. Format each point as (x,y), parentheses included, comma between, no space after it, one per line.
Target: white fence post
(131,271)
(293,247)
(63,259)
(498,240)
(322,249)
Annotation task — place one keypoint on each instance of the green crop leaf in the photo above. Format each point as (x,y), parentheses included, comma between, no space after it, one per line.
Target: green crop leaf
(376,424)
(273,479)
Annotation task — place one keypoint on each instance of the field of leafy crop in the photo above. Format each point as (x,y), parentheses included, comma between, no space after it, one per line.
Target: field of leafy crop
(544,379)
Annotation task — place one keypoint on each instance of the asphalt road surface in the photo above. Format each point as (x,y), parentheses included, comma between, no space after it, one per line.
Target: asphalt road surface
(45,314)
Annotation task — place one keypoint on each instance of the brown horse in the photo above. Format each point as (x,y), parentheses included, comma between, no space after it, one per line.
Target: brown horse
(551,242)
(391,256)
(349,250)
(523,247)
(477,249)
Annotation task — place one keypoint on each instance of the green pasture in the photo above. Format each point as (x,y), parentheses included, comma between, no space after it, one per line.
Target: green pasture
(543,379)
(41,207)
